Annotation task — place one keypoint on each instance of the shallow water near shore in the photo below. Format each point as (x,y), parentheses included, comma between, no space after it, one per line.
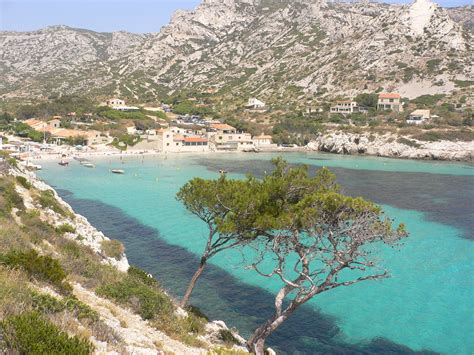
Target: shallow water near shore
(425,306)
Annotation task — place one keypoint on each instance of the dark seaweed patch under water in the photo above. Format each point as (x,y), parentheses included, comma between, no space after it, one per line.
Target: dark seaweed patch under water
(219,294)
(452,205)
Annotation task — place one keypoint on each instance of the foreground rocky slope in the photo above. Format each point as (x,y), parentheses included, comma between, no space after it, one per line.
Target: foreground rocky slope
(62,275)
(283,51)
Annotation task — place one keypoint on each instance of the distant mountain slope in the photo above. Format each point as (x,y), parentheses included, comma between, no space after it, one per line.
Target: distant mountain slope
(281,50)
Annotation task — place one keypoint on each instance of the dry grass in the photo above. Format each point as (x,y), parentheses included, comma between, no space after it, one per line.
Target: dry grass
(113,248)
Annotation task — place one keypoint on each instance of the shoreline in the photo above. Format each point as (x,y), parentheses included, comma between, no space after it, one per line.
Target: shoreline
(421,155)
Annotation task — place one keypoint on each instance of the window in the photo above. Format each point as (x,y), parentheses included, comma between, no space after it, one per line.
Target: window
(391,100)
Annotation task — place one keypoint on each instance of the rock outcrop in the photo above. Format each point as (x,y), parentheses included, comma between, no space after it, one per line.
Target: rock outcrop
(283,51)
(390,145)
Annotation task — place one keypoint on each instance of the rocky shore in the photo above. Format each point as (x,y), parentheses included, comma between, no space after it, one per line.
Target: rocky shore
(392,146)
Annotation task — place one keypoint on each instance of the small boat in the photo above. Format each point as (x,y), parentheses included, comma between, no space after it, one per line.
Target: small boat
(222,171)
(118,171)
(88,165)
(63,163)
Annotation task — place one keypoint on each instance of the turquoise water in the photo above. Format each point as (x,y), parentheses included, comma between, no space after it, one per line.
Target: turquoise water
(427,304)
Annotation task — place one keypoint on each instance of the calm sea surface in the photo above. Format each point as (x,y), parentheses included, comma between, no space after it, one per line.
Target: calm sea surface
(426,306)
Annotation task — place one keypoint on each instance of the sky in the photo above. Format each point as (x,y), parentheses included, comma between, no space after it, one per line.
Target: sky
(139,16)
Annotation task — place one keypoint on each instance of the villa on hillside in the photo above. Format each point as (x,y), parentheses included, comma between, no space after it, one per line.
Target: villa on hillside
(255,104)
(346,107)
(390,101)
(419,117)
(119,105)
(115,102)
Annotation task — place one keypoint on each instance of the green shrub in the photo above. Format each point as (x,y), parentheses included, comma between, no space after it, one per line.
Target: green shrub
(65,228)
(23,182)
(141,275)
(40,267)
(9,198)
(47,200)
(112,248)
(143,299)
(465,135)
(45,303)
(30,333)
(35,227)
(408,142)
(227,337)
(80,309)
(225,351)
(196,311)
(464,83)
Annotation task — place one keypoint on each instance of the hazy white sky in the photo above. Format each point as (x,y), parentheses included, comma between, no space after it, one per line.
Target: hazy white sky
(103,15)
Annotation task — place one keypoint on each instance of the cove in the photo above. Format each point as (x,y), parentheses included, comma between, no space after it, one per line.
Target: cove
(426,305)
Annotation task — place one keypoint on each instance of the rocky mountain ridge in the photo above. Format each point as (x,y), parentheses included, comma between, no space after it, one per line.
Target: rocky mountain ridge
(283,51)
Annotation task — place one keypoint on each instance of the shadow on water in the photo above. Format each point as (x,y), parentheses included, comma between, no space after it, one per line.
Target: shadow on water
(219,294)
(445,199)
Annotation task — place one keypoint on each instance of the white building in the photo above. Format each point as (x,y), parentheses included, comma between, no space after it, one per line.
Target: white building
(344,107)
(262,141)
(419,117)
(255,104)
(115,102)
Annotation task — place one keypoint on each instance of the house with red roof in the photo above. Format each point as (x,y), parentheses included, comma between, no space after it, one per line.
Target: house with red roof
(390,101)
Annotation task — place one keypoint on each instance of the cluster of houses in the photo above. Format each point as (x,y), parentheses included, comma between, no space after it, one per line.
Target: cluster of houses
(214,137)
(60,135)
(386,101)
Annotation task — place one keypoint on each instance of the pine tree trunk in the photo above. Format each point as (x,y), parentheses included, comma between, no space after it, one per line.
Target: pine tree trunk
(192,283)
(256,343)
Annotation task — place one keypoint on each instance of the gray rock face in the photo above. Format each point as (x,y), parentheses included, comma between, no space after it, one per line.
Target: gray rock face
(285,50)
(389,145)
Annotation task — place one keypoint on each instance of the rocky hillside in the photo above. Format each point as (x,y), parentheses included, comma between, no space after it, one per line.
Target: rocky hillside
(65,288)
(282,51)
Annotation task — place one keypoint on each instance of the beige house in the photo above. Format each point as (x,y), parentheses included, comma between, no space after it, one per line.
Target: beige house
(262,141)
(390,101)
(36,124)
(225,137)
(419,117)
(168,141)
(61,135)
(54,123)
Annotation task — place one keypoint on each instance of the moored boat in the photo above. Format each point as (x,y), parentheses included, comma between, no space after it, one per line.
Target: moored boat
(118,171)
(63,163)
(88,165)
